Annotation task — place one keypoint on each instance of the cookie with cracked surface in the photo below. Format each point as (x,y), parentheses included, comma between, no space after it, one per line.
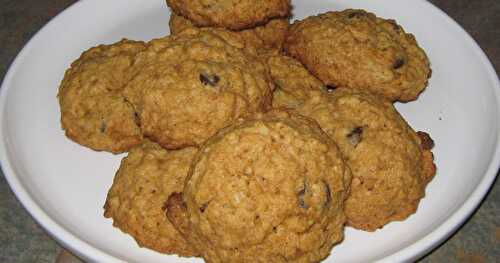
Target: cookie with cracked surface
(268,36)
(293,83)
(94,112)
(230,14)
(356,49)
(142,185)
(195,83)
(391,163)
(268,189)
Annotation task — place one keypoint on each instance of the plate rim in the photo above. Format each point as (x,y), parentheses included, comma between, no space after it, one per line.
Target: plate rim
(85,250)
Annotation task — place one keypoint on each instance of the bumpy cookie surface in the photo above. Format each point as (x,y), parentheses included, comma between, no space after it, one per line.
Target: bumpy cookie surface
(268,36)
(142,185)
(293,83)
(194,83)
(270,189)
(94,112)
(230,14)
(390,163)
(356,49)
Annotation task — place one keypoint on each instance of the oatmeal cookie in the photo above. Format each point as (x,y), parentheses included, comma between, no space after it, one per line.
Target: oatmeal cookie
(94,112)
(142,185)
(268,36)
(391,164)
(356,49)
(194,83)
(268,189)
(230,14)
(293,83)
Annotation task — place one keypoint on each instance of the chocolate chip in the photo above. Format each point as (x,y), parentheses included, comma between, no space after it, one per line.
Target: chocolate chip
(207,79)
(356,14)
(399,62)
(137,119)
(330,88)
(301,196)
(103,127)
(425,140)
(354,136)
(203,207)
(327,193)
(429,75)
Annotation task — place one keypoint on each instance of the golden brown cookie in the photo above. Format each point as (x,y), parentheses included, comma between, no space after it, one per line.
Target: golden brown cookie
(230,14)
(390,163)
(293,83)
(269,189)
(268,36)
(142,185)
(356,49)
(195,83)
(94,112)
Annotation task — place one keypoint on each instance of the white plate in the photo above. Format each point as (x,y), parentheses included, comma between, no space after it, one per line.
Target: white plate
(64,185)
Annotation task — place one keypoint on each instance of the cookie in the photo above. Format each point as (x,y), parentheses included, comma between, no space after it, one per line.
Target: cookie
(293,83)
(230,14)
(268,36)
(142,185)
(268,189)
(94,112)
(390,163)
(195,83)
(356,49)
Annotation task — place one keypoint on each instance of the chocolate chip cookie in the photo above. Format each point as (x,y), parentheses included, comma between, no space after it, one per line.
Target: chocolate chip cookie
(391,164)
(94,112)
(356,49)
(194,83)
(142,185)
(268,189)
(230,14)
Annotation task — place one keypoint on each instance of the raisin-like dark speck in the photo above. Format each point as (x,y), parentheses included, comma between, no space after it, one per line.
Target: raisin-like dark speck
(328,194)
(354,136)
(330,88)
(137,119)
(103,127)
(302,202)
(398,63)
(425,140)
(203,207)
(210,80)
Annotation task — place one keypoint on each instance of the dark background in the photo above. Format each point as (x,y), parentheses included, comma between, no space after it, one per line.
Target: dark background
(22,240)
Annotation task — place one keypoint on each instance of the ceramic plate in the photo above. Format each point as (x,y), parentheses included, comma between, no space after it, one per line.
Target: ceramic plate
(64,185)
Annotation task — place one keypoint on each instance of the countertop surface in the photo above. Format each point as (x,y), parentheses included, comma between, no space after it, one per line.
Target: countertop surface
(22,240)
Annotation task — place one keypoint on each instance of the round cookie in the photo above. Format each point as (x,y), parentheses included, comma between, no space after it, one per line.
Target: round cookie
(194,83)
(269,189)
(230,14)
(293,83)
(390,163)
(94,112)
(142,185)
(356,49)
(268,36)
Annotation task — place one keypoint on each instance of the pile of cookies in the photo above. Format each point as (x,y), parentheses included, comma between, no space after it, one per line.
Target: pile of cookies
(250,139)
